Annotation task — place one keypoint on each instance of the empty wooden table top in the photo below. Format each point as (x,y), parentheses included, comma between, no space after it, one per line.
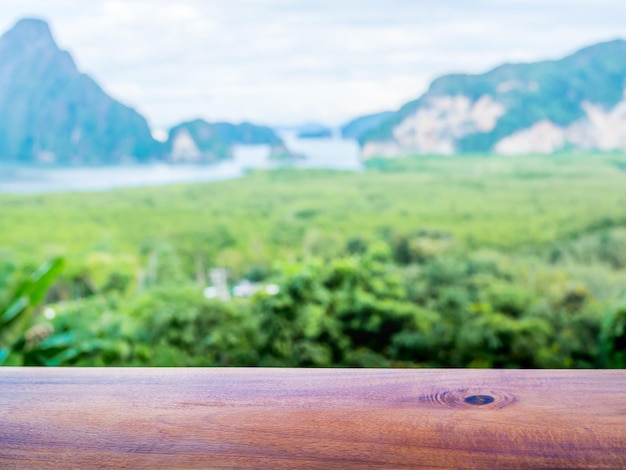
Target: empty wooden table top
(294,418)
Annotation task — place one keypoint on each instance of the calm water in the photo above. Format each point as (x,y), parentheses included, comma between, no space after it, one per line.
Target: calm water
(332,153)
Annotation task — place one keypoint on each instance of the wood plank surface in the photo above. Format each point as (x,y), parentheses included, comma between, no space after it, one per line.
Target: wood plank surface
(331,418)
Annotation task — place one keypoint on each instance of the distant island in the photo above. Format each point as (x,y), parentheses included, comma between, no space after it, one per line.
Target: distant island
(199,140)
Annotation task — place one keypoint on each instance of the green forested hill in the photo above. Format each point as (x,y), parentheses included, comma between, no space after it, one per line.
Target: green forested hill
(477,261)
(554,91)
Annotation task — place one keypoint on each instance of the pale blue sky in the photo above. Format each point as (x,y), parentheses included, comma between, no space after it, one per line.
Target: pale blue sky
(288,61)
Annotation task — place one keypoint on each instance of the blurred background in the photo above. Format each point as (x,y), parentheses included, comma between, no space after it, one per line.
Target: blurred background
(313,184)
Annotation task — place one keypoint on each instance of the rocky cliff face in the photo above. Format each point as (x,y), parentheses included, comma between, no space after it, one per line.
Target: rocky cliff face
(52,113)
(578,102)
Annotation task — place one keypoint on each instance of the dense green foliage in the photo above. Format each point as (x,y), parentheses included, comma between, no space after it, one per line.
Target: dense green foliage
(17,306)
(465,262)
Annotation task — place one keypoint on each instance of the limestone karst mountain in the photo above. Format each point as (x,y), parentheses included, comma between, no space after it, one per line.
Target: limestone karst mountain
(574,103)
(50,112)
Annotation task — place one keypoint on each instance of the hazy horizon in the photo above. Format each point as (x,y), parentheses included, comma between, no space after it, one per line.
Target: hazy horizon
(277,63)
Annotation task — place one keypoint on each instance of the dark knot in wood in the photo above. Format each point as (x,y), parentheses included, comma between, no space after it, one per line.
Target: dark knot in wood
(468,398)
(479,400)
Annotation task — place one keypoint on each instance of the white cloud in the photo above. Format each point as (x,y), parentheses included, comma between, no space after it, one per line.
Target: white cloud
(280,61)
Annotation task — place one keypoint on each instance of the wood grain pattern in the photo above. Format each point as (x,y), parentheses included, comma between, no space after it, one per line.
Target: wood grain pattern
(277,418)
